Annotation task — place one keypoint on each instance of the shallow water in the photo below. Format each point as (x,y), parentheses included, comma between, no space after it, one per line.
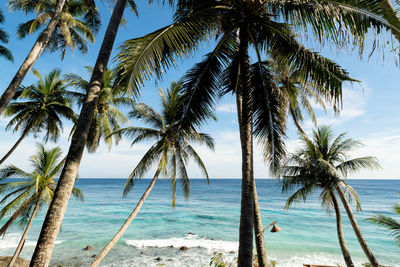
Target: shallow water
(208,222)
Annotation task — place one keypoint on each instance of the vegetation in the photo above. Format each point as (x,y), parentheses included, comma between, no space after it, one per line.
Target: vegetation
(24,199)
(170,152)
(4,52)
(391,224)
(321,163)
(40,108)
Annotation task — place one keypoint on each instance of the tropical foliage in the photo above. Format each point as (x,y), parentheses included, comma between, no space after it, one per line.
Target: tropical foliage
(108,118)
(4,39)
(40,108)
(391,224)
(79,21)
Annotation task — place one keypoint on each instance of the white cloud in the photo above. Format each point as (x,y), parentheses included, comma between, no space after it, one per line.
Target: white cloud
(227,108)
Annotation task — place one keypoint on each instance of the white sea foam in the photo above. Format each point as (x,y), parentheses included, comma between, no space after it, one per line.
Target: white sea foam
(190,241)
(11,241)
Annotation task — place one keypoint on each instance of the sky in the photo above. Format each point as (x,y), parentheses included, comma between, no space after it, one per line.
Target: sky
(370,108)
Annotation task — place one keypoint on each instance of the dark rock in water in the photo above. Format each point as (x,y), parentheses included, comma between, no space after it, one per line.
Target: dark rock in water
(190,233)
(141,252)
(89,248)
(170,260)
(20,262)
(184,248)
(171,246)
(212,239)
(158,259)
(232,252)
(94,256)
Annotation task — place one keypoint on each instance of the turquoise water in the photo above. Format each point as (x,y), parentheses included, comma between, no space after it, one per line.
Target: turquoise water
(208,222)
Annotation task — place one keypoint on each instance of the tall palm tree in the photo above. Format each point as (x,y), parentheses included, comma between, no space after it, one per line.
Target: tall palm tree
(237,27)
(4,52)
(40,107)
(170,152)
(390,223)
(55,214)
(26,198)
(69,24)
(108,118)
(322,163)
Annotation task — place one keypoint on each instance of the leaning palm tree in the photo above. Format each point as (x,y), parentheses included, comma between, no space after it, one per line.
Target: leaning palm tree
(322,163)
(40,108)
(170,152)
(69,24)
(108,118)
(238,27)
(55,214)
(25,198)
(390,223)
(4,52)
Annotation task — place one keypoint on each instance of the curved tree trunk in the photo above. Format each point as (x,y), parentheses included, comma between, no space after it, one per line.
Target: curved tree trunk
(342,242)
(33,55)
(22,241)
(258,231)
(126,224)
(16,214)
(356,228)
(24,134)
(246,212)
(55,213)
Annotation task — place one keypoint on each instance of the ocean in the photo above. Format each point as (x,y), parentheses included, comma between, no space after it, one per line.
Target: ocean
(208,222)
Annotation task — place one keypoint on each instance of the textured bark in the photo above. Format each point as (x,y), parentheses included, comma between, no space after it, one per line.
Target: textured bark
(258,231)
(342,242)
(23,238)
(24,134)
(126,224)
(246,213)
(15,215)
(56,211)
(33,55)
(356,228)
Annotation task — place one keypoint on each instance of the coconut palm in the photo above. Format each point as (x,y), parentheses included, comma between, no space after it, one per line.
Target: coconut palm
(4,39)
(69,24)
(237,27)
(108,118)
(323,163)
(55,214)
(40,108)
(170,152)
(24,199)
(390,223)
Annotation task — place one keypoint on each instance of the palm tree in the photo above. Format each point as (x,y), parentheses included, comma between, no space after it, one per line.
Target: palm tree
(237,27)
(69,23)
(108,117)
(170,152)
(4,39)
(55,213)
(323,163)
(27,197)
(40,107)
(391,224)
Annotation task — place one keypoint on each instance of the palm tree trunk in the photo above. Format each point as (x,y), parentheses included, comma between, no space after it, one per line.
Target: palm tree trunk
(258,231)
(22,241)
(342,242)
(126,224)
(55,213)
(24,134)
(258,228)
(15,216)
(33,55)
(246,213)
(357,230)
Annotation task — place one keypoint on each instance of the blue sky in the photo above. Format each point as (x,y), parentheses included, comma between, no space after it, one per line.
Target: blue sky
(370,111)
